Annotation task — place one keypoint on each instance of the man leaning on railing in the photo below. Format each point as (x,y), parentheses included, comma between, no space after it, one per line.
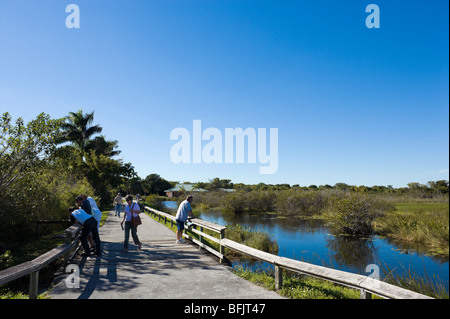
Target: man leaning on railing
(89,225)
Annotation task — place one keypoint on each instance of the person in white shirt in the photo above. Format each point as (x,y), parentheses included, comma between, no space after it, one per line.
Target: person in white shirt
(89,225)
(118,204)
(131,209)
(97,215)
(91,201)
(183,213)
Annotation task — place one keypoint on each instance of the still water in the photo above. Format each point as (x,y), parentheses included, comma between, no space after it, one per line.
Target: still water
(311,241)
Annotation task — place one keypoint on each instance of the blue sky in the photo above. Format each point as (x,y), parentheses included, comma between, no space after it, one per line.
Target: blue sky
(351,104)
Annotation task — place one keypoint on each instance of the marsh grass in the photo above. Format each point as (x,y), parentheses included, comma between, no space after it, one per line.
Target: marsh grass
(255,239)
(424,284)
(418,224)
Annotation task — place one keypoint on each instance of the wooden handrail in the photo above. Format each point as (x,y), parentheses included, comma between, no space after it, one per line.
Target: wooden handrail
(365,284)
(32,267)
(202,224)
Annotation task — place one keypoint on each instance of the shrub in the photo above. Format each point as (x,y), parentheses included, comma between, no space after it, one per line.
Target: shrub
(256,239)
(354,213)
(300,203)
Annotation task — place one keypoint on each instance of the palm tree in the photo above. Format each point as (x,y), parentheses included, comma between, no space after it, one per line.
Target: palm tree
(100,146)
(77,129)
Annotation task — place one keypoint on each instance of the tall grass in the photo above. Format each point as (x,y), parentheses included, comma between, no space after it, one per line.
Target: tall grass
(418,224)
(423,284)
(256,239)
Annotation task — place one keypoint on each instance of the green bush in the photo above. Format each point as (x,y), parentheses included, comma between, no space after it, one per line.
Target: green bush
(256,239)
(300,203)
(46,194)
(353,214)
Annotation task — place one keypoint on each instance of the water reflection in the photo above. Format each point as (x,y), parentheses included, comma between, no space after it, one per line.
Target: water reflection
(352,252)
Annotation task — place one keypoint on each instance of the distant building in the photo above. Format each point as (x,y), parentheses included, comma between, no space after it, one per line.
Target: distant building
(175,191)
(188,188)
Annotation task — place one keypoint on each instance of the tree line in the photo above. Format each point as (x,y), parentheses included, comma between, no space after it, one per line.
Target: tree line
(432,188)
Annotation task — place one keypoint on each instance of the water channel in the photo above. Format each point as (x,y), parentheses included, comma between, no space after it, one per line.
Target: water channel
(311,241)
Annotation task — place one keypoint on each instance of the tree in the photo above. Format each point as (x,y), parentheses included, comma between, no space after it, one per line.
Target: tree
(102,147)
(91,157)
(439,187)
(34,185)
(24,147)
(77,129)
(155,184)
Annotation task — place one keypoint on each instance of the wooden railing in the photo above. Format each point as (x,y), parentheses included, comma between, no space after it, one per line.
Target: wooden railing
(201,224)
(32,267)
(365,284)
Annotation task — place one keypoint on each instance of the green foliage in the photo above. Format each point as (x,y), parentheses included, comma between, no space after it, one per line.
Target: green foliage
(421,225)
(39,181)
(256,239)
(354,213)
(45,194)
(156,202)
(77,130)
(155,184)
(300,203)
(6,260)
(23,148)
(297,286)
(242,201)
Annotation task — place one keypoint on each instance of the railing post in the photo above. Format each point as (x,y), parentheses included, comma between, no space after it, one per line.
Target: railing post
(222,248)
(278,277)
(364,294)
(200,237)
(34,283)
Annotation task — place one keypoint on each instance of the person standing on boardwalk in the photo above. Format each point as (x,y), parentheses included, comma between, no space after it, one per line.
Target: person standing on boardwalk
(89,226)
(131,210)
(183,213)
(118,203)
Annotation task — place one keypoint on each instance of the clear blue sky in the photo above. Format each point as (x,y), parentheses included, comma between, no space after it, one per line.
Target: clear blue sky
(351,104)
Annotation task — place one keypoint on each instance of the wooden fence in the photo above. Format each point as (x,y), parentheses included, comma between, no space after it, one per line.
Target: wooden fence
(365,284)
(32,267)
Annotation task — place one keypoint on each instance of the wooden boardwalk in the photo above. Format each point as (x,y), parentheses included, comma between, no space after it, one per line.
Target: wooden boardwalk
(161,270)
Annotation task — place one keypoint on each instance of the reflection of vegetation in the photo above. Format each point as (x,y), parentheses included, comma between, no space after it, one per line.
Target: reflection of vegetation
(347,250)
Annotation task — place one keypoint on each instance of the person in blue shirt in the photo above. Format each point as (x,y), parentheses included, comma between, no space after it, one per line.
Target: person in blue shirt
(183,213)
(89,226)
